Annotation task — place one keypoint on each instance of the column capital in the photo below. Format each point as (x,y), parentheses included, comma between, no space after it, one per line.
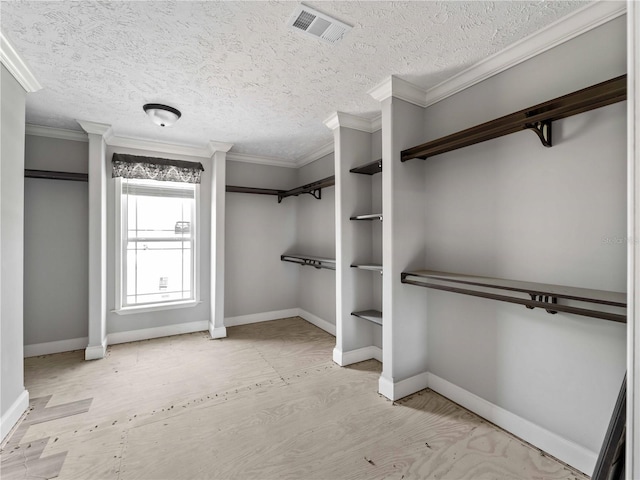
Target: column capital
(96,128)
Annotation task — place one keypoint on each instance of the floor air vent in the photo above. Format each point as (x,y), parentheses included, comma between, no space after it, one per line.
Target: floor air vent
(311,22)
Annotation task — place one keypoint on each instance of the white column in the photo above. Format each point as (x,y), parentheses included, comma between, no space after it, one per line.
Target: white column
(633,311)
(218,187)
(97,239)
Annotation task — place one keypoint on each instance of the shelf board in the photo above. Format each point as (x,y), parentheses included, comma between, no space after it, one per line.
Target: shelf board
(258,191)
(369,168)
(369,216)
(374,316)
(313,188)
(311,261)
(537,118)
(372,267)
(55,175)
(541,295)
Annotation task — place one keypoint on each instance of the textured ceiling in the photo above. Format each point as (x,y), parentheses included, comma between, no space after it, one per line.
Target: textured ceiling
(234,69)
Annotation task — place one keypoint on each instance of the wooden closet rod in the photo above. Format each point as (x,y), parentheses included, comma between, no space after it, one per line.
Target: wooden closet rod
(53,175)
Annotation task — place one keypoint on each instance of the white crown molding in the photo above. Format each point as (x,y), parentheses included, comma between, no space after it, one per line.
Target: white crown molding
(160,147)
(259,159)
(60,133)
(315,155)
(376,123)
(95,128)
(346,120)
(398,88)
(563,30)
(10,58)
(219,147)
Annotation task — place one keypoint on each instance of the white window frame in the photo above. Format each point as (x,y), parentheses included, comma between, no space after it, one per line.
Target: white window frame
(120,268)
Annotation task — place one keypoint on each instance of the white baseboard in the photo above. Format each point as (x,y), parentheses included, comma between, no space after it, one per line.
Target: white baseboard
(37,349)
(157,332)
(217,332)
(260,317)
(567,451)
(358,355)
(96,352)
(13,414)
(317,321)
(403,388)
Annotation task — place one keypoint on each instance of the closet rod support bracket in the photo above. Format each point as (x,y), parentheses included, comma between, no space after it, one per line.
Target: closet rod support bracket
(543,130)
(543,299)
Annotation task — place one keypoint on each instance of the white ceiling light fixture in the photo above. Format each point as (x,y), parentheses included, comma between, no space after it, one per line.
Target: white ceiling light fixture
(318,25)
(162,115)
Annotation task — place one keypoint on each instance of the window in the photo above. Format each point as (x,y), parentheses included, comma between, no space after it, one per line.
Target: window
(158,240)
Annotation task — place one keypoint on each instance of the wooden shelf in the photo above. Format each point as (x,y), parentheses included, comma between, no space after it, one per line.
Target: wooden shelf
(541,295)
(257,191)
(54,175)
(372,267)
(537,118)
(308,260)
(369,216)
(369,168)
(314,188)
(373,316)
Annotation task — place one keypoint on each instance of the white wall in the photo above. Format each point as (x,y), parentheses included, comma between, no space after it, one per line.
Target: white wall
(511,208)
(13,396)
(315,235)
(258,231)
(56,243)
(200,313)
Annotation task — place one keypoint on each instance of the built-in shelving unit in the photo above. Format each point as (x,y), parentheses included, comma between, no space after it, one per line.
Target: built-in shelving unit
(538,118)
(369,169)
(54,175)
(307,260)
(540,295)
(368,216)
(374,316)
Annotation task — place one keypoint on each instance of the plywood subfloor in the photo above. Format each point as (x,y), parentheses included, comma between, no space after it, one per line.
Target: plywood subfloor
(267,402)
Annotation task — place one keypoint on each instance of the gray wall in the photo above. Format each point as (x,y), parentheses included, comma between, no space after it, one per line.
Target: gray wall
(56,243)
(11,246)
(511,208)
(259,230)
(315,235)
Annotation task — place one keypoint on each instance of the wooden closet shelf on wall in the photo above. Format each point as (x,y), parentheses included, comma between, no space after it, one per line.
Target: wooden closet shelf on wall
(369,168)
(373,316)
(540,295)
(307,260)
(53,175)
(368,216)
(313,188)
(537,118)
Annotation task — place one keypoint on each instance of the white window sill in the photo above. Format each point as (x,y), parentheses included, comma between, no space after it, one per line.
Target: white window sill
(155,307)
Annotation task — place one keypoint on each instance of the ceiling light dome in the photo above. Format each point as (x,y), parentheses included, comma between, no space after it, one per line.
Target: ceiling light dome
(162,115)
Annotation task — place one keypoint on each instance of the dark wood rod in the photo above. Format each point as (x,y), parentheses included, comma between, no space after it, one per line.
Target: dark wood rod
(53,175)
(258,191)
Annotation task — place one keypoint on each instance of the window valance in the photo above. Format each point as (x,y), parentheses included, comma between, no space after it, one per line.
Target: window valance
(152,168)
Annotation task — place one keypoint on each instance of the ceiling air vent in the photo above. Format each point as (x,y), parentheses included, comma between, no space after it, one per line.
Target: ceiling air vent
(311,22)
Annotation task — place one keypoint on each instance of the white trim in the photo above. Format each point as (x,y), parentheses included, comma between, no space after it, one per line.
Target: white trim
(315,155)
(96,352)
(259,160)
(157,332)
(632,460)
(346,120)
(403,388)
(317,321)
(160,147)
(155,307)
(10,58)
(47,348)
(95,128)
(260,317)
(218,332)
(61,133)
(13,414)
(356,356)
(376,123)
(569,452)
(218,147)
(396,87)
